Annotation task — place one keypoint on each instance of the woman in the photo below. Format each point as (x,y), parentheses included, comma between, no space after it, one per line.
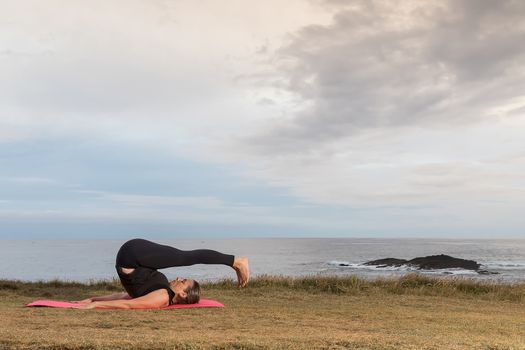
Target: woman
(137,263)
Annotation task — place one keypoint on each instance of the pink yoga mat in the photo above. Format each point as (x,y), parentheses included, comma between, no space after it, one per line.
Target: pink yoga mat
(70,305)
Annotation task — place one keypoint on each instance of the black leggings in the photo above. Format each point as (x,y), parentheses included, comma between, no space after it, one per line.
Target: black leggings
(142,253)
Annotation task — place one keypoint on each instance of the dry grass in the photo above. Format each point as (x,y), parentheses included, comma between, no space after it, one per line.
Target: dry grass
(413,312)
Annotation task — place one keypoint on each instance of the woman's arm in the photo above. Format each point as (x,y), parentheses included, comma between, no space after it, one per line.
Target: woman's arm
(153,300)
(116,296)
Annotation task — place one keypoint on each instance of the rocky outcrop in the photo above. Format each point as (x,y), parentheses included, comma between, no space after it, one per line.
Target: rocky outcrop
(429,263)
(387,262)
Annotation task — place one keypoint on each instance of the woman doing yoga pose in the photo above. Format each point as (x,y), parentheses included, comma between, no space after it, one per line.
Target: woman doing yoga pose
(137,263)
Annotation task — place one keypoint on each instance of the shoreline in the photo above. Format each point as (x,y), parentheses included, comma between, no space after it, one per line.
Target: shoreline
(84,260)
(369,278)
(412,284)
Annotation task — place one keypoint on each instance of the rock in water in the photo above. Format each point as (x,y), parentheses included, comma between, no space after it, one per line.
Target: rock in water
(387,262)
(429,262)
(443,262)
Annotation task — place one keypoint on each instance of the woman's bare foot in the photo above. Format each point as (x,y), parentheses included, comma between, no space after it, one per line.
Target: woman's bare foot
(242,268)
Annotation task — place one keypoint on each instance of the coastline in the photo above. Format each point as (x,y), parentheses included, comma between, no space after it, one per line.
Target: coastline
(83,260)
(276,312)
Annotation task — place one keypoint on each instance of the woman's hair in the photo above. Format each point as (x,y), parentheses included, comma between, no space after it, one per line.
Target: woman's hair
(193,293)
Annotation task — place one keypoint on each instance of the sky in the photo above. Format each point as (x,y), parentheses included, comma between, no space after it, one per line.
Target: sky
(312,118)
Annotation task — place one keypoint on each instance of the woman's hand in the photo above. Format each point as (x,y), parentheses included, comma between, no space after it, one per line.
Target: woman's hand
(85,301)
(90,305)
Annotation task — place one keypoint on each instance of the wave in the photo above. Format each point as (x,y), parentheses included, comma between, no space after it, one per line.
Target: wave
(504,266)
(486,265)
(403,268)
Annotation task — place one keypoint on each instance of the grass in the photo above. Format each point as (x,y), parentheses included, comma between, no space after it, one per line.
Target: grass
(276,312)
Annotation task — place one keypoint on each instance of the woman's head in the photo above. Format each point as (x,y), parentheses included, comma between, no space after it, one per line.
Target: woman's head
(187,291)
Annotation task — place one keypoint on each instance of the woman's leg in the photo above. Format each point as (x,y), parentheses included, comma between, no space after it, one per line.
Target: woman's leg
(141,252)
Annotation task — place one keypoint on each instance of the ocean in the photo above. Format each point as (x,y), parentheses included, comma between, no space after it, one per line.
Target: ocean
(87,260)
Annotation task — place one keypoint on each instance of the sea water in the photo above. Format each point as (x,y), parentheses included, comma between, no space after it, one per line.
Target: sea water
(85,260)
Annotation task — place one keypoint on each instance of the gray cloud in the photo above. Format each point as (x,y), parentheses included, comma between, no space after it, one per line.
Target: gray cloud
(380,65)
(400,105)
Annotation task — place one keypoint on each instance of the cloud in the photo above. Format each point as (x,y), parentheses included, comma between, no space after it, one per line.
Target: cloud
(397,108)
(388,65)
(28,180)
(154,70)
(203,202)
